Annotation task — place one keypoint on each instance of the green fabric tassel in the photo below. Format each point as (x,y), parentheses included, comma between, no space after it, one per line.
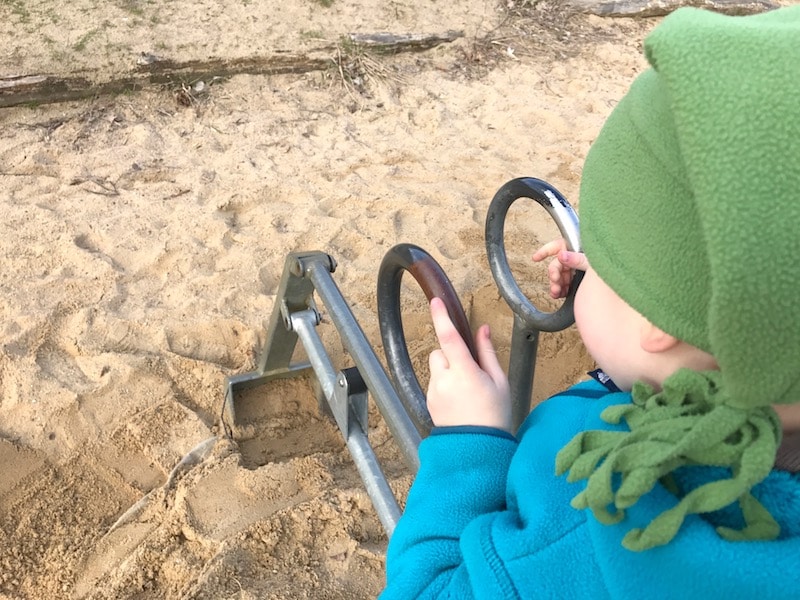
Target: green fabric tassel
(687,423)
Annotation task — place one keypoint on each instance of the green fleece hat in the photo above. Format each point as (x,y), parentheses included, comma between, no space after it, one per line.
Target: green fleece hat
(690,211)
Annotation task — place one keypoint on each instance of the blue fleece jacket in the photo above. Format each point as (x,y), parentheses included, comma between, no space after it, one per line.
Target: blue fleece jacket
(487,518)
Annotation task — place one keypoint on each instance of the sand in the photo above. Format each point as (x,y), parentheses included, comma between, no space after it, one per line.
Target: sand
(143,240)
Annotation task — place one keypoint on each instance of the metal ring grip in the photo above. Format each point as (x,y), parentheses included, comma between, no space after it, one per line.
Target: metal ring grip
(566,220)
(434,283)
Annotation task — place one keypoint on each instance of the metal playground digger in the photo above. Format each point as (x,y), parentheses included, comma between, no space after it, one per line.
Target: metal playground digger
(400,401)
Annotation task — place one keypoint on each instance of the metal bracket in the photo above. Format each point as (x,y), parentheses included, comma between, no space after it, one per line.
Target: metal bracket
(295,292)
(349,401)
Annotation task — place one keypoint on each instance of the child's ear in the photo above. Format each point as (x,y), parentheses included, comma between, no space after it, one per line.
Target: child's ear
(654,340)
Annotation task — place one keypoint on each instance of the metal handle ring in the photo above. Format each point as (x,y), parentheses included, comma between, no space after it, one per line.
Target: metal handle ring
(434,283)
(566,220)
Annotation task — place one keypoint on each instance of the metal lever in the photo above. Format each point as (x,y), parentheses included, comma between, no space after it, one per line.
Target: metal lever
(528,320)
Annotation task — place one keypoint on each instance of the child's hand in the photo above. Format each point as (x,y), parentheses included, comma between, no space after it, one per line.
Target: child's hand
(460,391)
(561,268)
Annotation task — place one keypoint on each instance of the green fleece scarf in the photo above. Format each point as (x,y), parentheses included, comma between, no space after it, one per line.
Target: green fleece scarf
(690,211)
(688,423)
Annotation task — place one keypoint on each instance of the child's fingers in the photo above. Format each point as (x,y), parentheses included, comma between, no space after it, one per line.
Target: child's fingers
(549,249)
(573,260)
(453,345)
(560,278)
(487,356)
(437,361)
(558,272)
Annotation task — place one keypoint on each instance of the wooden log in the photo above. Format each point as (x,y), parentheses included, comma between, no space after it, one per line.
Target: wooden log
(403,42)
(42,88)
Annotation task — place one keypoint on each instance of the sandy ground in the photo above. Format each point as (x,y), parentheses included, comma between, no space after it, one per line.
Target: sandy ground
(142,243)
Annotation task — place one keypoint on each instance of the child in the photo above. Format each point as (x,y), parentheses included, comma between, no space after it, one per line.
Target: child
(661,482)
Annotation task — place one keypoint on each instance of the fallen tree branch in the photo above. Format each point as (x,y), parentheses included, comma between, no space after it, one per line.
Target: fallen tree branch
(403,42)
(43,88)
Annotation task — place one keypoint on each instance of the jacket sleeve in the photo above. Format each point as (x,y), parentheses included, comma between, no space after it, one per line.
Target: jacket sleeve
(462,476)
